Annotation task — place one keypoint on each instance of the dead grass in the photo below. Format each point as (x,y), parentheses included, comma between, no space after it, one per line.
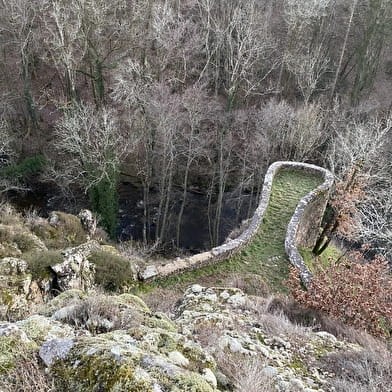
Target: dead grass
(8,215)
(26,376)
(100,314)
(368,370)
(244,374)
(314,319)
(162,299)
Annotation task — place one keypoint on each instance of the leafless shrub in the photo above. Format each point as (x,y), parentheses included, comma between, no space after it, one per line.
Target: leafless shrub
(245,373)
(279,324)
(317,320)
(26,376)
(367,370)
(207,332)
(162,300)
(100,314)
(250,284)
(8,214)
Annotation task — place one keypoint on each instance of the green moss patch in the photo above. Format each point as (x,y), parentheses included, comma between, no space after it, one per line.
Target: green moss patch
(68,232)
(315,263)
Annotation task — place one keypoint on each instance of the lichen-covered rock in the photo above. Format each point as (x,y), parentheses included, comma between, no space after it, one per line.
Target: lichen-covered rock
(147,360)
(228,322)
(17,290)
(76,272)
(89,223)
(40,329)
(13,343)
(116,343)
(65,298)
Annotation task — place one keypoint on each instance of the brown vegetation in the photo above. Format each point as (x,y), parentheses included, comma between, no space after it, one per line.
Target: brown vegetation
(357,294)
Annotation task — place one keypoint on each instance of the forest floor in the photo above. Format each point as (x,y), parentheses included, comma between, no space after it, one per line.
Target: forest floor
(263,265)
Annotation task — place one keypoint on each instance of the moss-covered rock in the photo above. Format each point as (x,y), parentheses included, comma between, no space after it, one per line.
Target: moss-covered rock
(65,298)
(11,349)
(60,230)
(40,329)
(17,291)
(118,361)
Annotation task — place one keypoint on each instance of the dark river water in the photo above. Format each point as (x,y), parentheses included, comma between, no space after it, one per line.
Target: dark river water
(194,229)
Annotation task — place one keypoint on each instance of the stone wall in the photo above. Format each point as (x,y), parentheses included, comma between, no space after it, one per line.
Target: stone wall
(306,218)
(303,228)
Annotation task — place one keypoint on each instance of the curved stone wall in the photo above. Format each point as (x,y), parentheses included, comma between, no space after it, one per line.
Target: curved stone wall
(300,231)
(303,228)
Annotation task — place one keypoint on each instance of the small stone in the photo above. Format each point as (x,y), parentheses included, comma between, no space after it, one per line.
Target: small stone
(222,379)
(225,295)
(13,331)
(283,386)
(311,382)
(196,288)
(55,349)
(270,371)
(264,351)
(236,300)
(209,376)
(149,272)
(326,336)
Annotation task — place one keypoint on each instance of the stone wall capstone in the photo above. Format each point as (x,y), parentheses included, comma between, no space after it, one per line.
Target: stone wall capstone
(302,229)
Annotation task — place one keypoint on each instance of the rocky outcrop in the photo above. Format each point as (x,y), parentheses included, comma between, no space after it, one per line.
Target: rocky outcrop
(76,272)
(88,221)
(135,349)
(146,354)
(229,322)
(17,289)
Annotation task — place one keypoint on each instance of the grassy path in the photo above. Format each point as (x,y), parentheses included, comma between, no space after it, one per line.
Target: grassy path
(265,256)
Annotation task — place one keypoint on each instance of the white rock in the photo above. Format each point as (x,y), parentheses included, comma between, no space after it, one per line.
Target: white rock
(55,349)
(196,288)
(237,300)
(327,336)
(178,359)
(225,295)
(209,376)
(297,385)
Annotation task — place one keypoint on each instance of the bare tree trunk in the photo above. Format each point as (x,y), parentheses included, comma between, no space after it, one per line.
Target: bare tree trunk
(184,194)
(343,51)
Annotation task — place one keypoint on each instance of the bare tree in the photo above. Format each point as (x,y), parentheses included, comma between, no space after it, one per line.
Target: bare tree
(238,44)
(343,50)
(306,50)
(193,139)
(17,22)
(62,37)
(376,19)
(93,146)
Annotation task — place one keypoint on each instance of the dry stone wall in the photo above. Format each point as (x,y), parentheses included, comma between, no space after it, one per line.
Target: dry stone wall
(301,231)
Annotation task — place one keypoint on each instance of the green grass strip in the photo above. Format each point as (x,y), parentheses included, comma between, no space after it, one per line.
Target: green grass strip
(265,255)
